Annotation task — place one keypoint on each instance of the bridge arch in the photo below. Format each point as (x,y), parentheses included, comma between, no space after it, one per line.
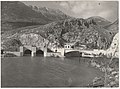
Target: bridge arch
(27,52)
(2,51)
(39,53)
(73,54)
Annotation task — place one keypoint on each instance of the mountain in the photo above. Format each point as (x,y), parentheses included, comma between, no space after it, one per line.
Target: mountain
(113,27)
(16,14)
(99,20)
(70,30)
(20,20)
(52,14)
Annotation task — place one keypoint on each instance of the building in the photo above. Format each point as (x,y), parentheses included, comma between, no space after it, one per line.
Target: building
(68,45)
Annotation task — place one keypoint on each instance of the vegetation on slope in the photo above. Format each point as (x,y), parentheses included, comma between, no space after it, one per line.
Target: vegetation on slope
(77,30)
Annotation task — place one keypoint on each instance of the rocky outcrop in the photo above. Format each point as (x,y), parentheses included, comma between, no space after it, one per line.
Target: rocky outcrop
(33,39)
(11,44)
(113,50)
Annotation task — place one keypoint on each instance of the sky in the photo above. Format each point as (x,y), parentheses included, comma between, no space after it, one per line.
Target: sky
(82,9)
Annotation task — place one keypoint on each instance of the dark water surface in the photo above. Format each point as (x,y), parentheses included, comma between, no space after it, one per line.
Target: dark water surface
(46,72)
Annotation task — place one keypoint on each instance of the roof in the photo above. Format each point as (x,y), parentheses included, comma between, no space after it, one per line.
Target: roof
(70,43)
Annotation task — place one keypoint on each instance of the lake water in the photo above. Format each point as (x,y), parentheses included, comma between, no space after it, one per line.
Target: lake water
(46,72)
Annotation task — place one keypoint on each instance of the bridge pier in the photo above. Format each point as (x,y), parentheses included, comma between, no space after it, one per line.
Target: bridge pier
(21,50)
(33,51)
(33,54)
(45,52)
(62,51)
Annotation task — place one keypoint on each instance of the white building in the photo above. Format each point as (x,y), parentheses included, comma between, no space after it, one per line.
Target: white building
(68,45)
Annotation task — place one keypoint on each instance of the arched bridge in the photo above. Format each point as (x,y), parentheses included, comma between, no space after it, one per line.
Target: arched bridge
(32,49)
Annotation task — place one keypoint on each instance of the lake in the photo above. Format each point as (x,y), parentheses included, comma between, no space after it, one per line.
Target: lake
(46,72)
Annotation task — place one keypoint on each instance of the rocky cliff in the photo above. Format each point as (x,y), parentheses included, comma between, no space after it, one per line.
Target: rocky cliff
(113,50)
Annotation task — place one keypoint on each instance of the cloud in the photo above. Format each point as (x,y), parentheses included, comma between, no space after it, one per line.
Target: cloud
(64,4)
(82,9)
(85,9)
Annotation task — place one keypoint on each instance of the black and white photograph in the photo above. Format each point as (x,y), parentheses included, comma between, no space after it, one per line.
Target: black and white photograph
(60,44)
